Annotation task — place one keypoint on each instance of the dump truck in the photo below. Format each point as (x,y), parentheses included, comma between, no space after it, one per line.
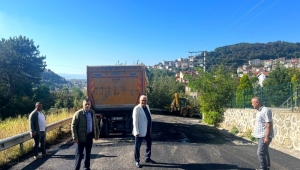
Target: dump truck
(114,91)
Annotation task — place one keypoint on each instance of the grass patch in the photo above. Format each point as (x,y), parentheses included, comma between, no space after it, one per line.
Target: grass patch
(249,135)
(234,130)
(13,126)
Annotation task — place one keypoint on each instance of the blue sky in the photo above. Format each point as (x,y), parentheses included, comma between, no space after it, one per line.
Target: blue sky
(76,33)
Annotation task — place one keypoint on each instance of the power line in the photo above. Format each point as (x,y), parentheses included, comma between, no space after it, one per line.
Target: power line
(260,12)
(235,12)
(254,17)
(248,12)
(222,24)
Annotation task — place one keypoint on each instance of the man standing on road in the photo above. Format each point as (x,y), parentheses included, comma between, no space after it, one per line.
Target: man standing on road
(84,128)
(142,124)
(37,126)
(263,131)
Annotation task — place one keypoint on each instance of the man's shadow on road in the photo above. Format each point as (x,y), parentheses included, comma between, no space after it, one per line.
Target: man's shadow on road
(39,162)
(192,166)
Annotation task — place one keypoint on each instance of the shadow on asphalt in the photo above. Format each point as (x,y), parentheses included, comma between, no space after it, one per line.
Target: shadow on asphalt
(182,133)
(37,163)
(195,166)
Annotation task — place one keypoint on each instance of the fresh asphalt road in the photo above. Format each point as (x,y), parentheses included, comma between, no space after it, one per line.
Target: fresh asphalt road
(178,143)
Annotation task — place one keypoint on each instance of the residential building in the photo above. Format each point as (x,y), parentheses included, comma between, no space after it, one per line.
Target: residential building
(268,62)
(184,65)
(255,62)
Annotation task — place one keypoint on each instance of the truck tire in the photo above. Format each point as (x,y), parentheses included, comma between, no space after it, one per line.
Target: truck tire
(104,129)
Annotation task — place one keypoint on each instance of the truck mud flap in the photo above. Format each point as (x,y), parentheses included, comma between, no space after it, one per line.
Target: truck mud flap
(104,129)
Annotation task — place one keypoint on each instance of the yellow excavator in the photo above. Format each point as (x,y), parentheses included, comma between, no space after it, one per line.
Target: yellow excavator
(181,106)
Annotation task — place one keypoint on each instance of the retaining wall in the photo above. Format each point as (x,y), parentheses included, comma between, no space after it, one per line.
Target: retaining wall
(286,125)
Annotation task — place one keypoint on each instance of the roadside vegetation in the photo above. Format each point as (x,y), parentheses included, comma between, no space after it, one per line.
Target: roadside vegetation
(13,126)
(250,136)
(164,86)
(234,130)
(216,89)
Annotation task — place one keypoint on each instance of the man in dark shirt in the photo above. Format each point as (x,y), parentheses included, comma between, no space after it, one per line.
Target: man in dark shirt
(142,124)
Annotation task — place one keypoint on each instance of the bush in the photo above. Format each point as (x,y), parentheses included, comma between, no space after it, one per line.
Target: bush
(234,130)
(216,89)
(249,135)
(213,118)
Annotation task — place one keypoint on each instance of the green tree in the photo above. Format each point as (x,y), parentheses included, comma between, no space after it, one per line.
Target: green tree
(277,86)
(21,66)
(164,86)
(244,92)
(42,94)
(63,98)
(295,82)
(20,62)
(216,91)
(78,96)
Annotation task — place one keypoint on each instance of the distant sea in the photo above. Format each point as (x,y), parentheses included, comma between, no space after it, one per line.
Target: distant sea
(72,76)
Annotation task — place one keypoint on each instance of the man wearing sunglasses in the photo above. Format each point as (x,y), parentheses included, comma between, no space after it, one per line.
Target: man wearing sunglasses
(142,124)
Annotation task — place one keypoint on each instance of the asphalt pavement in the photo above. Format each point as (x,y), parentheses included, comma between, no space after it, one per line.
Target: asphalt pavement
(178,143)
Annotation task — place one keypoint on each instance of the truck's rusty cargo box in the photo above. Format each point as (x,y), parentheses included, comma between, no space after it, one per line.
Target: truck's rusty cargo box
(114,91)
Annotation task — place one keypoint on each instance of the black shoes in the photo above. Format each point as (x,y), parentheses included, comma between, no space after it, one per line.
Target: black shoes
(150,161)
(138,165)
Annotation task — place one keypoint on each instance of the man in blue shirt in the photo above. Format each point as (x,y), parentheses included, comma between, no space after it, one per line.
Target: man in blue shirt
(84,128)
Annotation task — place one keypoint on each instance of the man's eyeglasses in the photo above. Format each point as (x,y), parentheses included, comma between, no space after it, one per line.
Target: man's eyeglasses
(143,100)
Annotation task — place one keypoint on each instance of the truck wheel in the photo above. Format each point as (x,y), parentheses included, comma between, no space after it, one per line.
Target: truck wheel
(191,112)
(184,112)
(104,129)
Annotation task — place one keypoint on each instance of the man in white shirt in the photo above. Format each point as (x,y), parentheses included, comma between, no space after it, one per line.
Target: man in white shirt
(263,131)
(142,126)
(37,125)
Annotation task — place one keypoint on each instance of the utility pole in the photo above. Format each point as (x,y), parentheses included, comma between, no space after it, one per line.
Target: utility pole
(204,53)
(194,52)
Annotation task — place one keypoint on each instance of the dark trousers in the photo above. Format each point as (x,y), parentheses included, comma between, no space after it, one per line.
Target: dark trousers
(138,142)
(263,153)
(80,146)
(39,138)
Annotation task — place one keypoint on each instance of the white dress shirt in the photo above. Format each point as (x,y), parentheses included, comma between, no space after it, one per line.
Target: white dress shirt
(42,121)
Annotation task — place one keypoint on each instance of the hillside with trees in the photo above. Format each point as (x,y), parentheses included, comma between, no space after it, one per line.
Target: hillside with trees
(238,54)
(52,80)
(24,80)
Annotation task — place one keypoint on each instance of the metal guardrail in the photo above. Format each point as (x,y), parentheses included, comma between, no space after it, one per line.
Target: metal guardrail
(21,138)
